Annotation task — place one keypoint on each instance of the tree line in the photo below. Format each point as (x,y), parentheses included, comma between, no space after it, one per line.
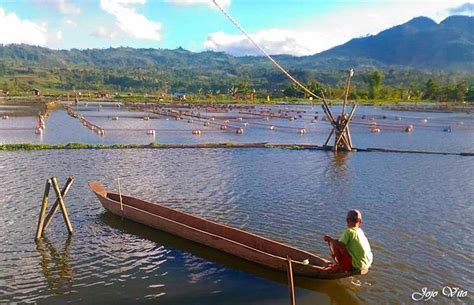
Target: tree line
(374,85)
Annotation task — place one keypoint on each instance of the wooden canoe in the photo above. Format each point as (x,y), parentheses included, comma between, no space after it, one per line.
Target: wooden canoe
(245,245)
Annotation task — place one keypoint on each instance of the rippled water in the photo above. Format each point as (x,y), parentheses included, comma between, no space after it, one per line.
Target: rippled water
(418,216)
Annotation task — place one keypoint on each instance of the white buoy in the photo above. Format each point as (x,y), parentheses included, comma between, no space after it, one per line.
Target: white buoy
(246,124)
(271,127)
(302,130)
(150,132)
(424,120)
(409,128)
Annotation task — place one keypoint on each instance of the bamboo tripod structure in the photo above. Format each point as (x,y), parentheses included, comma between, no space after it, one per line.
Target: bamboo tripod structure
(43,220)
(340,125)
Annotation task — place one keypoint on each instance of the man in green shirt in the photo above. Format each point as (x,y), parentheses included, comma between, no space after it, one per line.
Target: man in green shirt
(352,250)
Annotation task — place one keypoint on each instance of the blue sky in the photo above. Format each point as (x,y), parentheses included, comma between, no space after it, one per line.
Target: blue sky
(296,27)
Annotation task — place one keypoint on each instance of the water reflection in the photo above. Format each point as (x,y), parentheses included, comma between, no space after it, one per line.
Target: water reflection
(56,265)
(199,270)
(340,161)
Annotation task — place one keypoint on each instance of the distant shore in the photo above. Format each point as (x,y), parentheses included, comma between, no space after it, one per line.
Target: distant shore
(418,106)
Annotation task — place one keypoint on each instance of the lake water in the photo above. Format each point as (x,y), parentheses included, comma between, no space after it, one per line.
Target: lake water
(417,210)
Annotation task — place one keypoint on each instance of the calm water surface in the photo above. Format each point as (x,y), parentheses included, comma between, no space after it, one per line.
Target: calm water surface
(418,216)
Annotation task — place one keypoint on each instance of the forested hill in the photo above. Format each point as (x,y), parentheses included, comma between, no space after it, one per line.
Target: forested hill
(419,43)
(407,57)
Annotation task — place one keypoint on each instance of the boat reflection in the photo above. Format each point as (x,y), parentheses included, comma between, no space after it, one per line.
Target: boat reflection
(55,265)
(332,289)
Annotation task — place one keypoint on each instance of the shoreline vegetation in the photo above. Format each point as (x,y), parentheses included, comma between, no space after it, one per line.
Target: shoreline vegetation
(262,145)
(194,100)
(152,145)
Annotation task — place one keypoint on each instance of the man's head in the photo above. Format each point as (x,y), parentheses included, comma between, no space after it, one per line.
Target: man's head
(354,218)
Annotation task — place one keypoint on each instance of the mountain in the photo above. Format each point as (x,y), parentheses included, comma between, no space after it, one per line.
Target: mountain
(420,43)
(408,54)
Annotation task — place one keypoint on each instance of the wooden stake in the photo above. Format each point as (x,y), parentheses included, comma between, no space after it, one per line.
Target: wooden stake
(120,193)
(44,205)
(61,204)
(55,206)
(291,283)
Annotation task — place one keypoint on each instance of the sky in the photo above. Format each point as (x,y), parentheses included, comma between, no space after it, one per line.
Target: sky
(294,27)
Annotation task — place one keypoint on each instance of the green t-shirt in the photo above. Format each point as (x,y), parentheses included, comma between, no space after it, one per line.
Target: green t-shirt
(358,247)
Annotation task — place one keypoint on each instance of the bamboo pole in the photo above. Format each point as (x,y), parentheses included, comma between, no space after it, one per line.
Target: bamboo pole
(120,193)
(44,205)
(350,73)
(55,206)
(62,205)
(291,283)
(329,138)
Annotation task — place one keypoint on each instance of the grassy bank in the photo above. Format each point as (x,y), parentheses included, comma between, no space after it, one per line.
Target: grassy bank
(153,145)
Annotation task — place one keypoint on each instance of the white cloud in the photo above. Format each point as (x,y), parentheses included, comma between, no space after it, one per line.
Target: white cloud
(102,32)
(71,23)
(465,9)
(59,35)
(222,3)
(129,22)
(274,41)
(331,29)
(15,30)
(64,6)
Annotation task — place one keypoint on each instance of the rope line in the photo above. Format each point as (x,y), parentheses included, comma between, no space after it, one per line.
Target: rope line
(265,53)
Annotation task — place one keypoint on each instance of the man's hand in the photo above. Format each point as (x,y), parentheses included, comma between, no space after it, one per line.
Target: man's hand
(327,238)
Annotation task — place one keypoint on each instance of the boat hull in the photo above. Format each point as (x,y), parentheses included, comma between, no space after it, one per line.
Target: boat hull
(233,241)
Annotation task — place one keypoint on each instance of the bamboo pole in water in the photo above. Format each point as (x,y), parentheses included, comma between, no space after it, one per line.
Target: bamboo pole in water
(120,193)
(55,206)
(44,205)
(61,204)
(291,283)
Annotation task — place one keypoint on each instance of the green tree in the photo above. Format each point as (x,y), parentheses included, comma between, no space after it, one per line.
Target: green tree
(292,90)
(374,82)
(460,91)
(432,90)
(470,94)
(316,87)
